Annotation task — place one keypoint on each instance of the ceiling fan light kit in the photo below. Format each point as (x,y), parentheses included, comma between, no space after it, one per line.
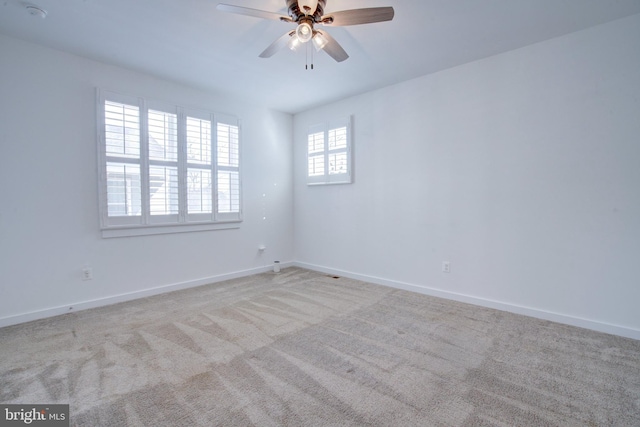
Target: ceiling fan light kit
(307,13)
(319,41)
(304,32)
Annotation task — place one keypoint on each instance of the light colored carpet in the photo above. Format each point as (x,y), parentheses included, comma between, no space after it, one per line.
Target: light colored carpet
(301,348)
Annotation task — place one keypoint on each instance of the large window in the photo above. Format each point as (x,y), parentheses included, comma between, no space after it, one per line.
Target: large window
(329,153)
(165,168)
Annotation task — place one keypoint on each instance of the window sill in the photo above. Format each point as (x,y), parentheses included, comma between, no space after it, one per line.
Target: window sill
(132,231)
(311,184)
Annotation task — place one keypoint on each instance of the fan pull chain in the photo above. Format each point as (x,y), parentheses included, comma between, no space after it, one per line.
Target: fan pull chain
(306,57)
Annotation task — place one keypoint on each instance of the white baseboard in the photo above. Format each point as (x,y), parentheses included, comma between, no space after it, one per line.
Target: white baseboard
(526,311)
(101,302)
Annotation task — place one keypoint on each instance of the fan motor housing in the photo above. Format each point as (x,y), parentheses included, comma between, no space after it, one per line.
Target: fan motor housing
(296,14)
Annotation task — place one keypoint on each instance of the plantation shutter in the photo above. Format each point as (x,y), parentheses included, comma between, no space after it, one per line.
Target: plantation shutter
(329,153)
(227,168)
(162,147)
(200,166)
(119,134)
(165,169)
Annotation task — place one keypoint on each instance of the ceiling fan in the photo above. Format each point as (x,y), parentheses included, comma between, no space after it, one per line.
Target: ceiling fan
(308,13)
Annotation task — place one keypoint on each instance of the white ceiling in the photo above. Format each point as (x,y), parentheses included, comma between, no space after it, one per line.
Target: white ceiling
(191,42)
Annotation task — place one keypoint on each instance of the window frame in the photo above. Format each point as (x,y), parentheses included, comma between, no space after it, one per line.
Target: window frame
(327,177)
(147,223)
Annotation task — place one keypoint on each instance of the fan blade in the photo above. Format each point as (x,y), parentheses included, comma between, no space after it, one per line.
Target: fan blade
(277,45)
(358,16)
(333,48)
(252,12)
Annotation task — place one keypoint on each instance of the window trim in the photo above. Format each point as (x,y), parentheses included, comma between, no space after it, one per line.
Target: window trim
(328,178)
(145,223)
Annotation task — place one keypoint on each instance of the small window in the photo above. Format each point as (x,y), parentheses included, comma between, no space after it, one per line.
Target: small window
(329,153)
(164,166)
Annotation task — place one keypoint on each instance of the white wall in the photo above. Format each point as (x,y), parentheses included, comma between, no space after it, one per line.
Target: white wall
(522,170)
(49,225)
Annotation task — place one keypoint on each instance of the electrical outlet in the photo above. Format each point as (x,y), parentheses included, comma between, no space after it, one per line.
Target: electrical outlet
(446,267)
(87,273)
